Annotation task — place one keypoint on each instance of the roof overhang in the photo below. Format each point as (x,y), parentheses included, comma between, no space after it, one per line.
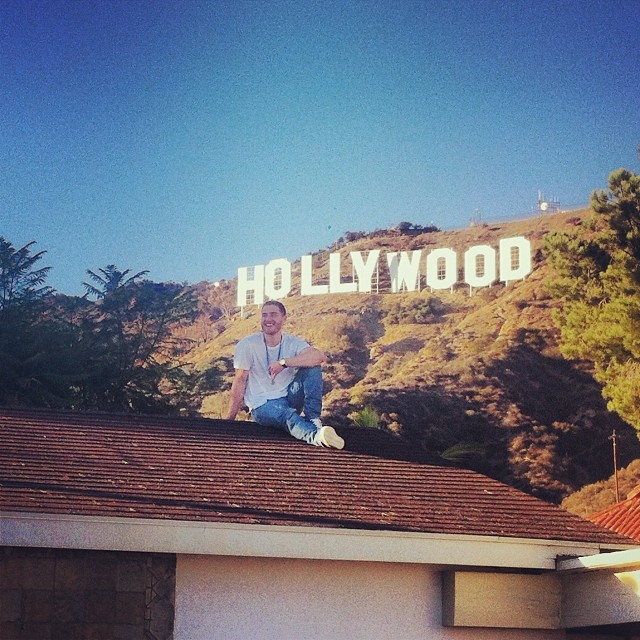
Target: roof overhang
(69,531)
(627,560)
(600,593)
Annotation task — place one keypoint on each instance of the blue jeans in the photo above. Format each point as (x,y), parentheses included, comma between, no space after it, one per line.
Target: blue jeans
(304,396)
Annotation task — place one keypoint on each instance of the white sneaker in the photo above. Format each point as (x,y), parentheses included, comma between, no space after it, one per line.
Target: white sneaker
(327,437)
(317,422)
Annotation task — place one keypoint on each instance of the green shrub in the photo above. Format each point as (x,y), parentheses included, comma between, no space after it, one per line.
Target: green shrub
(366,417)
(415,310)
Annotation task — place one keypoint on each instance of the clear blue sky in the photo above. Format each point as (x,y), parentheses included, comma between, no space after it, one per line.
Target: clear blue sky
(193,137)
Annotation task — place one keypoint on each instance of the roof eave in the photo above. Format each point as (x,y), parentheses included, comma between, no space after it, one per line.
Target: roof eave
(68,531)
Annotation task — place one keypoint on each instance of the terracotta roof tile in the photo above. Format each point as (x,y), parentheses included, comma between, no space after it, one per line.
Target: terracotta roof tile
(623,517)
(220,471)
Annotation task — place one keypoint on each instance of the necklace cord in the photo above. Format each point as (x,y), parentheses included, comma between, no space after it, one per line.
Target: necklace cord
(266,350)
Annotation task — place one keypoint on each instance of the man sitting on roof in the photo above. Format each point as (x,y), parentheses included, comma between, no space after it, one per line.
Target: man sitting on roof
(278,377)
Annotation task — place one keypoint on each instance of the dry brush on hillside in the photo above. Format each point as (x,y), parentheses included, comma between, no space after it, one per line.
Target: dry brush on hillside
(473,378)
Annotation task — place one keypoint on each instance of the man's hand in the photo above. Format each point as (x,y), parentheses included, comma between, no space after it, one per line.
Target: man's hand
(275,368)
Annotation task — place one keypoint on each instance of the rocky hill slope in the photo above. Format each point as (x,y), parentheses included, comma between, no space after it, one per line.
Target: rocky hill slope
(474,378)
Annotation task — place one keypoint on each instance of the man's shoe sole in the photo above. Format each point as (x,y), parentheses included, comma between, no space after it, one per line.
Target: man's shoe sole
(329,438)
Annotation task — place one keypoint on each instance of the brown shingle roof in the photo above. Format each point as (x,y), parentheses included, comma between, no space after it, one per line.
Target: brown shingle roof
(219,471)
(623,517)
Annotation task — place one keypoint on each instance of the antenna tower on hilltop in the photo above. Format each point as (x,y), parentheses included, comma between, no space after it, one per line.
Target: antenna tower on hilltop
(476,219)
(545,205)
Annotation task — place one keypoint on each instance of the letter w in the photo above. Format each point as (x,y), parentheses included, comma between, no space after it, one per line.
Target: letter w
(404,270)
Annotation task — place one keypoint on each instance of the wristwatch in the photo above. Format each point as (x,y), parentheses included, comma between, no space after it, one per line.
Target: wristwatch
(282,363)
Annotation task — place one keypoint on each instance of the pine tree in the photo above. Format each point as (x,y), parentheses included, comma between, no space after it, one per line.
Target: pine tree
(598,278)
(137,360)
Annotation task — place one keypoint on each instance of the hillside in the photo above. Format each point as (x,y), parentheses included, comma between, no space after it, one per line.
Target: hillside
(475,379)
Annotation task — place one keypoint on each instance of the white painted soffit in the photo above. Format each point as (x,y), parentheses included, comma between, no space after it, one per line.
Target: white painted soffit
(626,560)
(272,541)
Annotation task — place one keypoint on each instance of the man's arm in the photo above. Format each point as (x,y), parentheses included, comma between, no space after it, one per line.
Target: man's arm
(309,357)
(237,393)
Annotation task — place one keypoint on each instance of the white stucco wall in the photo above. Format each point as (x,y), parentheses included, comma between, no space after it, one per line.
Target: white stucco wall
(231,598)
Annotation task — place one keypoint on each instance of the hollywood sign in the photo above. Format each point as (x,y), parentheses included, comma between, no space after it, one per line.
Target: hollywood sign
(482,266)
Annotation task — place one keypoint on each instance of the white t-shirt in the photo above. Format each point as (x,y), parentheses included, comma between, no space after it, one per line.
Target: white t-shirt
(252,354)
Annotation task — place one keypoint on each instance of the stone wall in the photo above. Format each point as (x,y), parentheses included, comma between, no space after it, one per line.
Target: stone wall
(56,594)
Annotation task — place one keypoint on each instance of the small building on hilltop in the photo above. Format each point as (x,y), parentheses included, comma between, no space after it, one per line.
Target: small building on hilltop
(128,526)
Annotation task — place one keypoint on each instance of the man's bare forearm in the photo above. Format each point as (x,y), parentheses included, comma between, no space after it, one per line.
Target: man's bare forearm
(310,357)
(237,396)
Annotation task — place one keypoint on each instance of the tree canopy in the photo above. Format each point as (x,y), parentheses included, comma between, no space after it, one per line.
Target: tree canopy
(21,284)
(136,357)
(598,278)
(119,352)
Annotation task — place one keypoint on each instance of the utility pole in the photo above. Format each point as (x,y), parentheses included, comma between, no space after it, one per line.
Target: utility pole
(613,439)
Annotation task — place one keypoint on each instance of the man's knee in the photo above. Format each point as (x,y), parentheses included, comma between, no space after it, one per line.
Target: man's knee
(303,374)
(314,372)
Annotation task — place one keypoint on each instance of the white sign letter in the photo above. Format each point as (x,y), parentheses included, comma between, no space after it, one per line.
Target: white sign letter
(364,270)
(480,266)
(277,279)
(405,271)
(245,285)
(335,283)
(442,267)
(307,288)
(515,258)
